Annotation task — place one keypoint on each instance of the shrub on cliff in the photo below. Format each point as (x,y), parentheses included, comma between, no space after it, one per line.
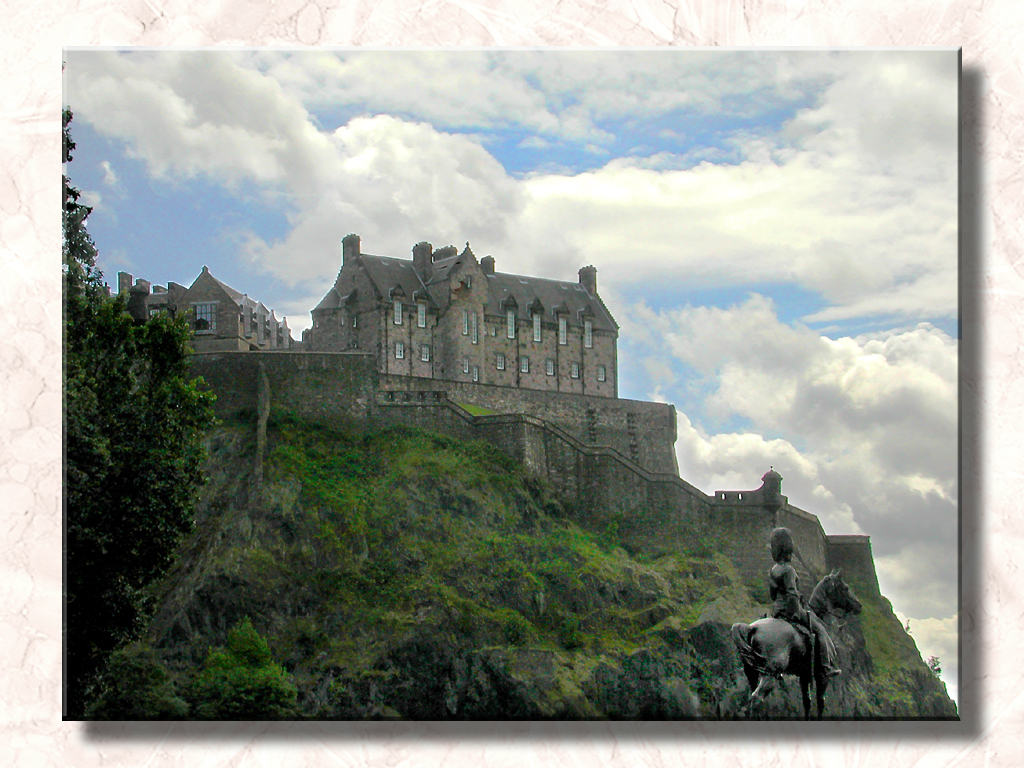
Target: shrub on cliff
(242,682)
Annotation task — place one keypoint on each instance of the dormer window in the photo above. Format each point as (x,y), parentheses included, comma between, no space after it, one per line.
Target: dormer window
(563,331)
(510,318)
(398,312)
(588,334)
(536,326)
(421,315)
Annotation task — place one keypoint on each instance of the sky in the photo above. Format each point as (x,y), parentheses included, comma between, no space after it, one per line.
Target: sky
(775,231)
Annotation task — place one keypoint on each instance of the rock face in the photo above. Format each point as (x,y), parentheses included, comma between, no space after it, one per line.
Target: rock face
(398,574)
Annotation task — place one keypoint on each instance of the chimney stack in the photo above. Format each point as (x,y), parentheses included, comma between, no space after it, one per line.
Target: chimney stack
(349,248)
(422,259)
(487,265)
(588,279)
(124,282)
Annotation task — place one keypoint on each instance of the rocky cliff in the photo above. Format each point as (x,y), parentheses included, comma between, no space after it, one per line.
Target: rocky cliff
(400,574)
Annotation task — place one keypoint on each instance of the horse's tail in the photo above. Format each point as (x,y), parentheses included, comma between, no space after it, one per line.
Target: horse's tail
(741,637)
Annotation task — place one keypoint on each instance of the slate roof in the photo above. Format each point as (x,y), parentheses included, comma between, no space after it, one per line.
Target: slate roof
(388,274)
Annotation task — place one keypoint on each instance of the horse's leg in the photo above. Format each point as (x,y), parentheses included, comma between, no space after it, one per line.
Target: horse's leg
(763,683)
(819,693)
(805,696)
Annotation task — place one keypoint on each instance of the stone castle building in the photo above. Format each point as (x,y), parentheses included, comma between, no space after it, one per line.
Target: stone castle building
(446,315)
(222,319)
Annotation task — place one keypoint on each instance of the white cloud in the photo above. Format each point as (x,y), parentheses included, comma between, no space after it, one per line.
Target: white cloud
(864,430)
(109,175)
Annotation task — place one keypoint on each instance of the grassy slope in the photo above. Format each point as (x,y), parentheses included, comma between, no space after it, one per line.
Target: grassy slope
(398,573)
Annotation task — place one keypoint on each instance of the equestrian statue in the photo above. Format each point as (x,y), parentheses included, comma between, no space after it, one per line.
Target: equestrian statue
(793,641)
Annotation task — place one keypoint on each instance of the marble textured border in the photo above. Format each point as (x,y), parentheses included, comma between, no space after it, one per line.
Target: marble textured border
(992,381)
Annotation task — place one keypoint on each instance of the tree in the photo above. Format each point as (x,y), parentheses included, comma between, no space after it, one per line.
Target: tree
(935,665)
(133,427)
(135,686)
(241,681)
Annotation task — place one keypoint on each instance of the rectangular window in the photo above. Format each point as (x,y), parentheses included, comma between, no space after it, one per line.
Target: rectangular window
(473,328)
(465,322)
(465,365)
(476,373)
(399,350)
(524,364)
(602,373)
(398,313)
(425,353)
(575,373)
(549,367)
(588,334)
(563,331)
(355,319)
(421,315)
(500,362)
(536,327)
(510,318)
(206,317)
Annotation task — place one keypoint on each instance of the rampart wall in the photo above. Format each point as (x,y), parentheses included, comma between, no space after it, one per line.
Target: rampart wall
(642,431)
(651,510)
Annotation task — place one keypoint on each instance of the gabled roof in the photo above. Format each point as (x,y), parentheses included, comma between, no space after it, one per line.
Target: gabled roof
(391,276)
(553,295)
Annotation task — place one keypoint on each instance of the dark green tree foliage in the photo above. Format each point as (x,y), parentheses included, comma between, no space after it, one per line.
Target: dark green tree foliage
(136,686)
(242,682)
(133,425)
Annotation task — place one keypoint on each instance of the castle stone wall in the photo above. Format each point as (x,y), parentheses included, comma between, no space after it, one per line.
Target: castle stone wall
(852,553)
(641,431)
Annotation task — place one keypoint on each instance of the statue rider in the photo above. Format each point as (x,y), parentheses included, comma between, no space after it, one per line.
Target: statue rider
(787,602)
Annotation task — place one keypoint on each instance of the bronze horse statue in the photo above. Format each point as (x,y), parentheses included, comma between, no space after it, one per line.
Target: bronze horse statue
(770,648)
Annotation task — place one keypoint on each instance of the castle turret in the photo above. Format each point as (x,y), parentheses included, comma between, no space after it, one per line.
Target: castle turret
(772,488)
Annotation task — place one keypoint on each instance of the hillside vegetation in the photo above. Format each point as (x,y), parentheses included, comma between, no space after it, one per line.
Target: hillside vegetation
(400,574)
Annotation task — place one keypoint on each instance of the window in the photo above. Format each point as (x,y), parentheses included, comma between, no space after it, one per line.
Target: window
(206,317)
(510,318)
(465,322)
(465,365)
(549,367)
(469,281)
(355,318)
(425,353)
(399,350)
(588,334)
(563,331)
(472,325)
(398,312)
(602,373)
(500,362)
(421,315)
(524,364)
(476,373)
(536,327)
(575,373)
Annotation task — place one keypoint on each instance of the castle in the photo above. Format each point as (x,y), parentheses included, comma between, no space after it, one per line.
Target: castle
(445,343)
(446,315)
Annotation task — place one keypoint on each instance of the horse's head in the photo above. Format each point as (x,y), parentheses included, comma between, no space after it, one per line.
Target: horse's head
(833,595)
(839,594)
